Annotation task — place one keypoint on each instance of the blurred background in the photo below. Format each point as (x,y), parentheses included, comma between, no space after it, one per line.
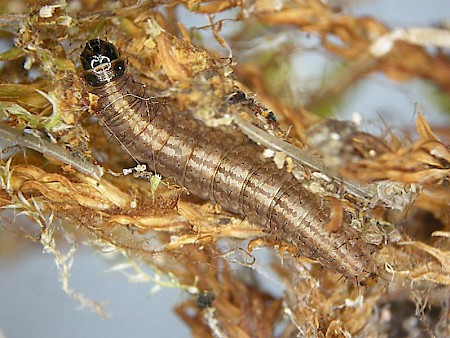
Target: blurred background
(30,292)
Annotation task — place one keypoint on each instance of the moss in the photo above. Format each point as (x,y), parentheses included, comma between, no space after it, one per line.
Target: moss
(193,242)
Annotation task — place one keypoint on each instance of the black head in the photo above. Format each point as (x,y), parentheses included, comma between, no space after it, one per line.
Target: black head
(101,62)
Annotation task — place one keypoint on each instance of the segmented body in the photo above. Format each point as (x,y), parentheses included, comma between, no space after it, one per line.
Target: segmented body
(219,167)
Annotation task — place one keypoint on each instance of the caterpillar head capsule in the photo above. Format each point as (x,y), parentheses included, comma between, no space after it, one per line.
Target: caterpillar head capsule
(100,60)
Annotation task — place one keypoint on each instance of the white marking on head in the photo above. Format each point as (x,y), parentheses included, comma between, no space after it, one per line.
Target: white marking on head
(98,60)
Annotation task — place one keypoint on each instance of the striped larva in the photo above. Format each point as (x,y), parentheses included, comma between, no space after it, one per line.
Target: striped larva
(219,167)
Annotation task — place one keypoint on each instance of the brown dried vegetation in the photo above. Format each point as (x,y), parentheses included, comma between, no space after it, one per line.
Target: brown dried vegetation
(191,244)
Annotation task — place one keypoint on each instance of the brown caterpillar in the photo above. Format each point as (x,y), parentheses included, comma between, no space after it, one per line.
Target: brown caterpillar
(219,167)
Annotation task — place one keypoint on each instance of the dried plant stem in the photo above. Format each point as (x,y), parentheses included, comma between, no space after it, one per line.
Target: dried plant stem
(47,148)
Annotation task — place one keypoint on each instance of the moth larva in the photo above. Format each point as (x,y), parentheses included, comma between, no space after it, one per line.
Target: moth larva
(217,166)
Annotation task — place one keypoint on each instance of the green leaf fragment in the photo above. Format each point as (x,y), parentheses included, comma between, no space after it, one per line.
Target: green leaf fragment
(22,94)
(20,112)
(54,118)
(33,121)
(64,64)
(12,54)
(154,183)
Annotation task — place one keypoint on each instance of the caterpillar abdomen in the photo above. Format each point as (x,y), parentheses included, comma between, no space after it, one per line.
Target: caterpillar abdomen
(218,166)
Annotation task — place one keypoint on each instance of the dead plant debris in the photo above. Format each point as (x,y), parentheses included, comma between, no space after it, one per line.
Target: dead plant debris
(61,168)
